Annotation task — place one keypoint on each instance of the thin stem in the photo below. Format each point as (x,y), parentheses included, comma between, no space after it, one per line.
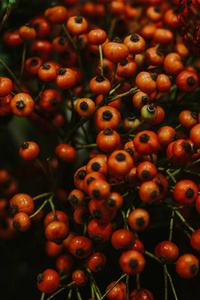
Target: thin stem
(101,59)
(116,87)
(94,283)
(39,209)
(111,29)
(127,287)
(171,225)
(23,60)
(171,176)
(131,91)
(56,293)
(40,92)
(73,130)
(108,291)
(42,296)
(8,12)
(42,168)
(41,196)
(151,255)
(92,291)
(114,73)
(12,75)
(52,207)
(171,282)
(184,221)
(78,293)
(87,146)
(138,281)
(69,36)
(166,282)
(69,296)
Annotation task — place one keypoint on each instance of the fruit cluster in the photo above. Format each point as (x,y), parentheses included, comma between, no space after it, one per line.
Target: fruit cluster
(115,85)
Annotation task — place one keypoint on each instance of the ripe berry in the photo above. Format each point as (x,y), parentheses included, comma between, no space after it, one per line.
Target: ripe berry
(48,281)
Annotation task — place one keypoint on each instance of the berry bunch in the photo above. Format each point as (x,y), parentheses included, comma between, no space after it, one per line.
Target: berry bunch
(114,86)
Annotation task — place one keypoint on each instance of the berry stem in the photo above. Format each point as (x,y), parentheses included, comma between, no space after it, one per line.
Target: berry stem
(171,282)
(166,282)
(184,221)
(78,293)
(131,91)
(113,76)
(171,176)
(87,146)
(69,37)
(171,225)
(41,196)
(12,75)
(92,280)
(124,275)
(39,209)
(138,281)
(56,293)
(23,60)
(127,287)
(40,92)
(8,12)
(42,296)
(69,296)
(101,59)
(52,206)
(151,255)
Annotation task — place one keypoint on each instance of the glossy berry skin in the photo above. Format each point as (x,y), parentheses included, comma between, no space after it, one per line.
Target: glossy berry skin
(142,294)
(56,231)
(22,105)
(21,203)
(5,105)
(138,246)
(21,222)
(108,140)
(100,85)
(6,86)
(65,262)
(12,38)
(66,153)
(98,164)
(146,171)
(97,36)
(99,189)
(146,142)
(47,72)
(149,192)
(138,219)
(48,281)
(135,43)
(77,25)
(188,119)
(195,135)
(29,151)
(185,191)
(41,25)
(100,232)
(85,107)
(107,117)
(96,262)
(80,247)
(118,292)
(146,82)
(100,211)
(132,262)
(60,216)
(120,163)
(166,252)
(115,51)
(122,239)
(56,14)
(80,278)
(114,201)
(187,81)
(195,240)
(187,266)
(65,78)
(33,64)
(27,32)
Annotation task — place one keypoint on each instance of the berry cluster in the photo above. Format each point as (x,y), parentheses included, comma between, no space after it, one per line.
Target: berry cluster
(115,85)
